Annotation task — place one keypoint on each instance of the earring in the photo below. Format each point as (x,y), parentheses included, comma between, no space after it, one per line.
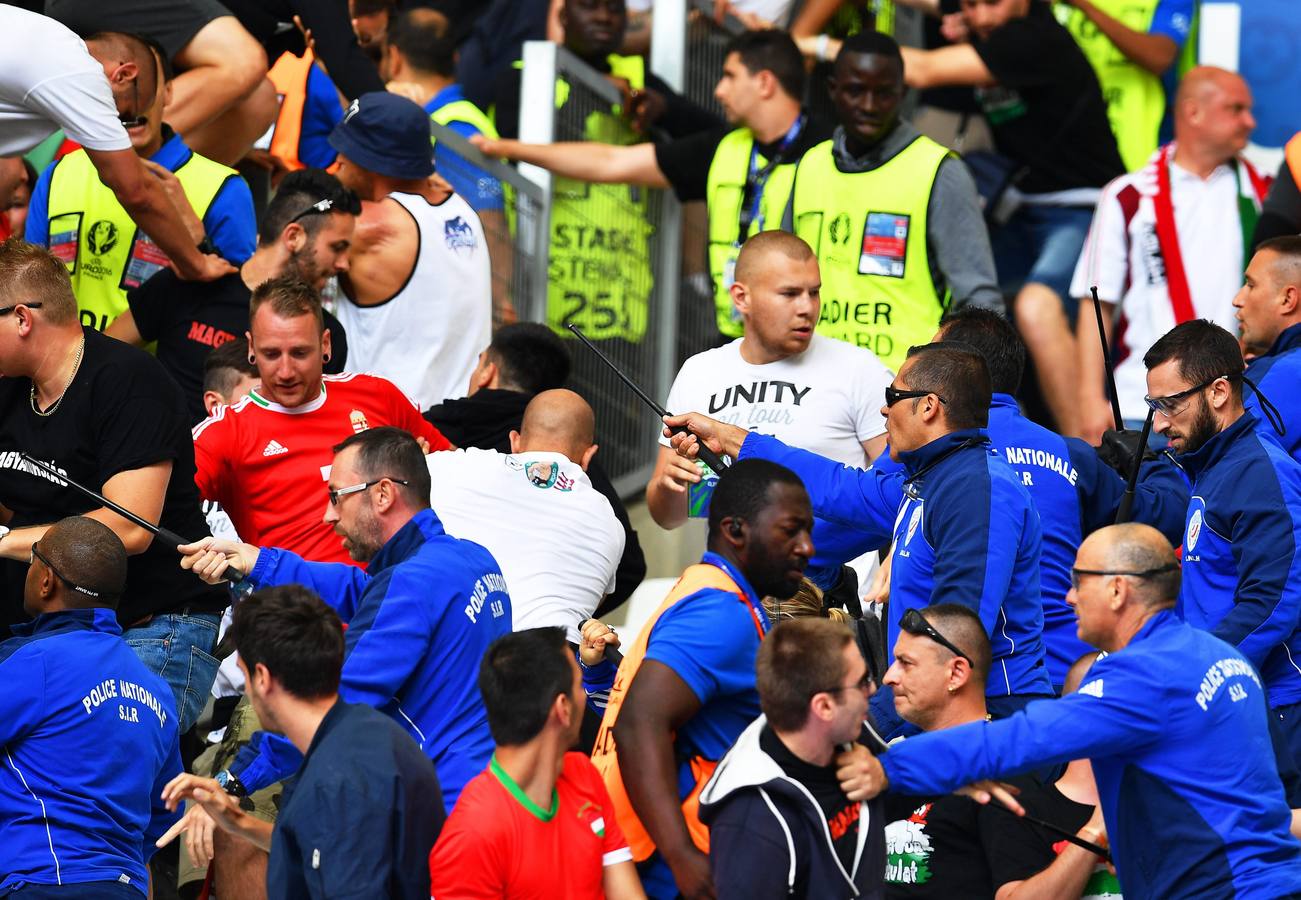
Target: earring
(952,689)
(325,358)
(252,360)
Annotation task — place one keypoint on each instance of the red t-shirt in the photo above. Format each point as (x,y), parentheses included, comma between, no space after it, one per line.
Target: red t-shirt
(267,464)
(497,843)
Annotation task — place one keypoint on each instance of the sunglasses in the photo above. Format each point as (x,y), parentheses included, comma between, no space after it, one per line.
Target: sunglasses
(357,488)
(1173,404)
(320,206)
(915,623)
(72,585)
(6,310)
(1076,574)
(893,395)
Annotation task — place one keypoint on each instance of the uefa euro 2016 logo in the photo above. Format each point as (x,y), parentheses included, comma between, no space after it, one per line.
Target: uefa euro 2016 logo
(102,237)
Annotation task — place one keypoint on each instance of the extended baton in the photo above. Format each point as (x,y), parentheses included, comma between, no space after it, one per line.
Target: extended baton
(1060,832)
(712,459)
(1127,501)
(171,537)
(1106,360)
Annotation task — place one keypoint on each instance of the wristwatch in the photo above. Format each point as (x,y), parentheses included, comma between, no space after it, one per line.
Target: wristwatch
(231,784)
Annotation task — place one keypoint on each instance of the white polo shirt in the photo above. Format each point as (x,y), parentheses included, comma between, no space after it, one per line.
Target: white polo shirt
(1122,257)
(48,81)
(554,535)
(826,399)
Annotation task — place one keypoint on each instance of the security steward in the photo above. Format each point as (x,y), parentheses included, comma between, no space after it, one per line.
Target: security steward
(893,217)
(751,161)
(309,109)
(89,735)
(83,223)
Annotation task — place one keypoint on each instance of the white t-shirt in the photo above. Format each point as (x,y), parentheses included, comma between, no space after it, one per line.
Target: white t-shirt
(555,536)
(826,399)
(48,81)
(1122,257)
(427,338)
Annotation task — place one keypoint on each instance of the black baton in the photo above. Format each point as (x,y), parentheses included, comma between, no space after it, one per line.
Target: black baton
(1059,831)
(712,459)
(175,540)
(1127,501)
(1106,360)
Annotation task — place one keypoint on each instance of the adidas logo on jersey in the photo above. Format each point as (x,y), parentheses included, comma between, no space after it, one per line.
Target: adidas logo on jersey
(275,448)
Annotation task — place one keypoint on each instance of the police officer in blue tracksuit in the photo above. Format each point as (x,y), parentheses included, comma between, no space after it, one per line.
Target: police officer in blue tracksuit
(1174,721)
(1242,538)
(420,617)
(87,733)
(956,500)
(1277,374)
(1074,491)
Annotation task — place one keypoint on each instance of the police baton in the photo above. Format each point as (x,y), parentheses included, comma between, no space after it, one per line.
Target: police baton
(1106,359)
(712,459)
(1127,500)
(170,537)
(1061,832)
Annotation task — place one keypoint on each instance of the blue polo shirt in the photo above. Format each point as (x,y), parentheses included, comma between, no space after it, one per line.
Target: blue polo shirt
(480,190)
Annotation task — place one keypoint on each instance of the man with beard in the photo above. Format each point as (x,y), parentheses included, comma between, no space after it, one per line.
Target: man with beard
(420,617)
(267,458)
(306,232)
(686,689)
(1241,559)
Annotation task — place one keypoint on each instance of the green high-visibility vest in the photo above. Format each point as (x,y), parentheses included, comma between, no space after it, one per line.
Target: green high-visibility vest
(724,195)
(1135,97)
(599,271)
(868,230)
(106,254)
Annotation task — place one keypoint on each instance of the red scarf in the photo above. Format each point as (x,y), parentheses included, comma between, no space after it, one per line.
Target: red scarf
(1167,237)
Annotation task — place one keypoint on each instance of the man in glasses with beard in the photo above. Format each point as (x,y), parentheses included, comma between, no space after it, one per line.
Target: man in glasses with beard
(1242,537)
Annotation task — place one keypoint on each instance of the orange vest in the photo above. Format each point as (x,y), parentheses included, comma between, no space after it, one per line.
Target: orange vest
(696,578)
(289,75)
(1292,153)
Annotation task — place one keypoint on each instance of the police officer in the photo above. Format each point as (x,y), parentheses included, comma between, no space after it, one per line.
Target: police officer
(88,733)
(419,618)
(893,217)
(1173,720)
(84,224)
(957,501)
(1269,313)
(744,171)
(1073,489)
(1242,538)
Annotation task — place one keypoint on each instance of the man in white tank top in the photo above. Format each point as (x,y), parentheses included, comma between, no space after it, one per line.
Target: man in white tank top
(417,300)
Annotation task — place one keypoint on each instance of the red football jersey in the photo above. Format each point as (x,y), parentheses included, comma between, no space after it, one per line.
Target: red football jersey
(498,843)
(267,465)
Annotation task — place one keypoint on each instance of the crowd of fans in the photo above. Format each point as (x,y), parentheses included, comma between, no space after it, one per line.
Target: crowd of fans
(307,552)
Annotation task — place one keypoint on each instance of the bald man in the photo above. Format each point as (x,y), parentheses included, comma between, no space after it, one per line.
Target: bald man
(1173,720)
(555,537)
(811,391)
(1154,270)
(77,705)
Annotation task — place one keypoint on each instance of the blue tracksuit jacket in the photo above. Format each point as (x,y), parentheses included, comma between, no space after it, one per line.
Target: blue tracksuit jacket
(419,620)
(1076,494)
(970,509)
(1277,374)
(1175,724)
(88,739)
(1242,551)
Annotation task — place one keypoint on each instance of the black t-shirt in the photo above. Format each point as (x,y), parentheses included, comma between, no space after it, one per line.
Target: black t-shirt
(1047,110)
(950,846)
(1051,805)
(841,813)
(119,413)
(190,318)
(685,163)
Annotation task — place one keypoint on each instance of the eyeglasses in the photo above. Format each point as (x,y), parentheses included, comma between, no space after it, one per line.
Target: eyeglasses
(1170,404)
(137,120)
(356,488)
(893,395)
(6,310)
(1146,573)
(72,585)
(866,683)
(915,623)
(320,206)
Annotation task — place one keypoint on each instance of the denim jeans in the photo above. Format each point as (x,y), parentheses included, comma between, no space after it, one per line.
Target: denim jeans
(1040,245)
(179,649)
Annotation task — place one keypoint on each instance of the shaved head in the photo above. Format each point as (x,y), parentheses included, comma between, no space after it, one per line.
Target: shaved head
(1134,547)
(1202,82)
(963,628)
(1283,255)
(557,421)
(88,554)
(115,48)
(756,252)
(1212,113)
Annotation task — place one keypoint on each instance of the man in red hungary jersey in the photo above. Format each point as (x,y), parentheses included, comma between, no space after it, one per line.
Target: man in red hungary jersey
(266,458)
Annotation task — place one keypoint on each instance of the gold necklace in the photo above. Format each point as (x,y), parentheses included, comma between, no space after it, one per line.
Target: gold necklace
(75,367)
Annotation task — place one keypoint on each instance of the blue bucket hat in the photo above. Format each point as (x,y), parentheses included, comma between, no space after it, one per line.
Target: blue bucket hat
(386,134)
